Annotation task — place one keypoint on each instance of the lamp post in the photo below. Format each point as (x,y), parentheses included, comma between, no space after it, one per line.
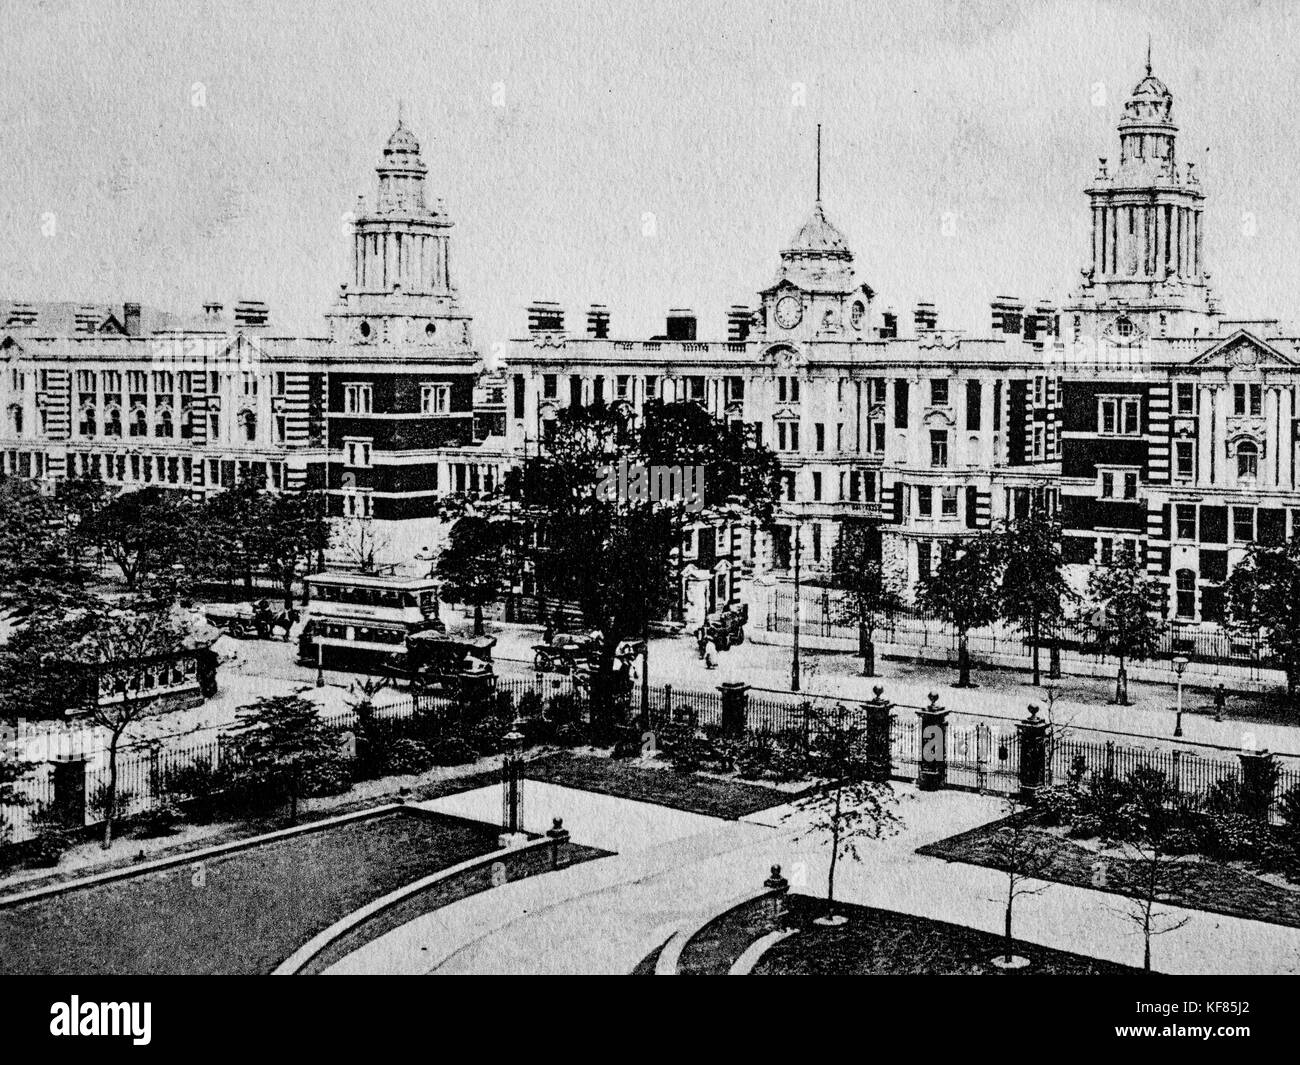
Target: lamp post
(1180,664)
(798,603)
(512,780)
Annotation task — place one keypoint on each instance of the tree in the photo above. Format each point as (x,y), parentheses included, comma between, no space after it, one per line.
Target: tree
(12,772)
(80,652)
(474,565)
(1033,590)
(1154,805)
(294,530)
(1263,596)
(1024,855)
(142,532)
(963,591)
(875,591)
(1122,597)
(230,529)
(80,499)
(34,541)
(844,803)
(279,738)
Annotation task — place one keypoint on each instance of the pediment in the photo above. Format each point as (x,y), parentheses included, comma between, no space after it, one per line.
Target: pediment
(10,348)
(1242,351)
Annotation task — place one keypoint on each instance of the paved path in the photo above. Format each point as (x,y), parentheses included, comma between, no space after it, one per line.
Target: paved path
(605,916)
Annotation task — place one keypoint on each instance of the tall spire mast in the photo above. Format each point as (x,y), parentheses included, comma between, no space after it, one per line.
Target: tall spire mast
(819,162)
(1148,53)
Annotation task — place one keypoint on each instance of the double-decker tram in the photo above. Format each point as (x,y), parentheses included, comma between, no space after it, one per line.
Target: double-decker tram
(361,621)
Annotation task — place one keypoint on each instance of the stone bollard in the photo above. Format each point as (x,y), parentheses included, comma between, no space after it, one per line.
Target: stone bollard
(777,887)
(1032,733)
(880,720)
(559,837)
(932,771)
(735,701)
(1258,778)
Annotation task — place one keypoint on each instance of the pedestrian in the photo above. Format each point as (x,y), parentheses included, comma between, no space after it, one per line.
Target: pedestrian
(1220,702)
(700,638)
(710,653)
(548,636)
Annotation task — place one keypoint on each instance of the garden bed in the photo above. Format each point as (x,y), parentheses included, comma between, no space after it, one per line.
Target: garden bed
(241,912)
(1194,882)
(710,796)
(873,943)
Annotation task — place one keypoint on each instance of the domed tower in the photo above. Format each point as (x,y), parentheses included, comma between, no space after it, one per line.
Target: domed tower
(1147,275)
(401,289)
(814,295)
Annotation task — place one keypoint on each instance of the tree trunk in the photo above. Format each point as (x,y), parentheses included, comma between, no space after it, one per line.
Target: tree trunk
(1121,684)
(110,803)
(869,659)
(1054,656)
(1035,631)
(288,595)
(835,853)
(1008,952)
(478,619)
(963,662)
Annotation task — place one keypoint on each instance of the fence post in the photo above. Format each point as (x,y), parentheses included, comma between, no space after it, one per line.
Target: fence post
(777,888)
(880,718)
(668,703)
(1110,758)
(932,761)
(735,701)
(1258,777)
(559,837)
(1032,736)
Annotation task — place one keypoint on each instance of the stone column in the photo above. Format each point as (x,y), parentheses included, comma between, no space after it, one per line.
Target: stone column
(932,757)
(735,701)
(880,719)
(1258,777)
(1032,734)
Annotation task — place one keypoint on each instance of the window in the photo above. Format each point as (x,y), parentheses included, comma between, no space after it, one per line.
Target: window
(923,561)
(878,436)
(1247,399)
(85,380)
(1039,442)
(139,425)
(924,501)
(248,425)
(787,436)
(1243,524)
(1185,397)
(1185,596)
(1040,384)
(1107,485)
(1118,416)
(787,389)
(974,397)
(550,386)
(113,422)
(1185,521)
(695,388)
(356,453)
(357,398)
(948,502)
(137,380)
(735,389)
(939,392)
(435,399)
(1247,460)
(819,433)
(214,426)
(163,427)
(281,428)
(817,486)
(1124,327)
(938,447)
(900,404)
(1130,486)
(788,479)
(1184,459)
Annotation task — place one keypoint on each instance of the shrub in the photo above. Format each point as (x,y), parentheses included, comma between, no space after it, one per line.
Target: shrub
(789,762)
(452,750)
(1231,836)
(406,756)
(572,734)
(97,800)
(326,776)
(1289,807)
(1224,796)
(46,849)
(753,761)
(205,787)
(1059,804)
(564,708)
(158,821)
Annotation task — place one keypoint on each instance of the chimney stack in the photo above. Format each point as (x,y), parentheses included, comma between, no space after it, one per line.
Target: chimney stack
(889,325)
(598,322)
(86,319)
(681,324)
(131,319)
(739,319)
(925,318)
(1008,315)
(544,316)
(21,315)
(251,314)
(212,311)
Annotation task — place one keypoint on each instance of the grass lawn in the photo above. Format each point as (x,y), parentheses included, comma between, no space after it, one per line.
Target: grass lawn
(1198,883)
(663,787)
(873,943)
(242,912)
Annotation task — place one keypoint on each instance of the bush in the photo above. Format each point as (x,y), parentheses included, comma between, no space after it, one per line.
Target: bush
(572,734)
(564,708)
(1224,796)
(789,762)
(97,801)
(206,788)
(328,776)
(1230,837)
(404,756)
(46,849)
(452,750)
(1289,807)
(1059,804)
(158,821)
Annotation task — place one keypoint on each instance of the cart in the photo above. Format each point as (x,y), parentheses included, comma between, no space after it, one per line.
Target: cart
(453,665)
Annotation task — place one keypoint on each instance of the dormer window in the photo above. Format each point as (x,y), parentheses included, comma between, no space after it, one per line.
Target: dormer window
(1124,327)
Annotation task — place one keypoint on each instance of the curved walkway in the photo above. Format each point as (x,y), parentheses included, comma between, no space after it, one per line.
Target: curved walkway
(604,916)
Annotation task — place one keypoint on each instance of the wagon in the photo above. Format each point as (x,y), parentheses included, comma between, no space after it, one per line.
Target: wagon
(454,665)
(236,620)
(565,653)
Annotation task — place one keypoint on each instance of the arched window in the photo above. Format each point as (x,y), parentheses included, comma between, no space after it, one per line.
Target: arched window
(139,424)
(16,420)
(113,422)
(1247,460)
(164,425)
(1185,593)
(248,425)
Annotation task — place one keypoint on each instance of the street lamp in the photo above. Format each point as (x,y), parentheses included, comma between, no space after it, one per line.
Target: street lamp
(1180,664)
(798,604)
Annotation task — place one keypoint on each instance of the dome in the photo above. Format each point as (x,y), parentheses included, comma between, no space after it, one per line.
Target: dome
(402,140)
(1150,102)
(818,236)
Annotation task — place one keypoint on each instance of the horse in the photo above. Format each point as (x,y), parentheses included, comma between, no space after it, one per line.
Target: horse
(268,621)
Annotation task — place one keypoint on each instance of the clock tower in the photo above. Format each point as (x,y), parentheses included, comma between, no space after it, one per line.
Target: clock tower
(814,296)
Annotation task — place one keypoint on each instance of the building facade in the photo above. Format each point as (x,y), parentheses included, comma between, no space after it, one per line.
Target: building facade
(379,412)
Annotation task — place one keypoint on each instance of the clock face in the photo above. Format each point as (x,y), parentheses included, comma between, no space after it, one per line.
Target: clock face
(788,312)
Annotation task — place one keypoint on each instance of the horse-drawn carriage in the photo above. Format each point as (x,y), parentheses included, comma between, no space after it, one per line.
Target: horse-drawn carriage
(566,653)
(726,627)
(453,665)
(256,621)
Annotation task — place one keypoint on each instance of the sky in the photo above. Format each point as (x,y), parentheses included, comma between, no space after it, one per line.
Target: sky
(643,155)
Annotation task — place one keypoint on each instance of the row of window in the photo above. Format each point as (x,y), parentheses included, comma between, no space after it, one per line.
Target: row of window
(175,470)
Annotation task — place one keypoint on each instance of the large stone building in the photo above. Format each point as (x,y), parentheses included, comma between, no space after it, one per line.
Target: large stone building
(379,411)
